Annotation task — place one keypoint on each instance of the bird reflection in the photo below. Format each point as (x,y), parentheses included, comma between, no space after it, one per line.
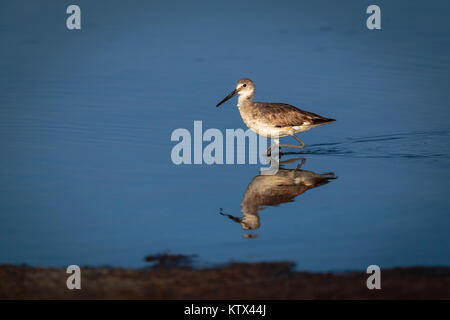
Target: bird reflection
(272,190)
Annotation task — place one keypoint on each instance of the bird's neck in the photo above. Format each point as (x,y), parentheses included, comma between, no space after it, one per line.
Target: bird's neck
(244,100)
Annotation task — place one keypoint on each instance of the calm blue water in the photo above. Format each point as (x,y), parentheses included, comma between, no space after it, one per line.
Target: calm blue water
(86,117)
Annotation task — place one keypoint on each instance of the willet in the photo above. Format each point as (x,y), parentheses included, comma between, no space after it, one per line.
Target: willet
(273,120)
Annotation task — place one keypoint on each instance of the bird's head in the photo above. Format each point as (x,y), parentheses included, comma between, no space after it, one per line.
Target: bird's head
(244,88)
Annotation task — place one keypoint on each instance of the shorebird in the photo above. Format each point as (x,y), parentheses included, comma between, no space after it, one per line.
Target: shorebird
(273,120)
(273,190)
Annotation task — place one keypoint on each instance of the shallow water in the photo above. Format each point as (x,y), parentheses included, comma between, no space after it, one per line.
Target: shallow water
(86,118)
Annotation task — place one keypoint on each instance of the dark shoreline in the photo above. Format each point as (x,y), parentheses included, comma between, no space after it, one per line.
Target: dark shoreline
(271,280)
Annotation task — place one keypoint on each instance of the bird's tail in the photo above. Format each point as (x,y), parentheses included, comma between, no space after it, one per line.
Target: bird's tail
(323,120)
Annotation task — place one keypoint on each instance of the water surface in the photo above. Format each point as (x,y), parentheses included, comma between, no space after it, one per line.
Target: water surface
(86,117)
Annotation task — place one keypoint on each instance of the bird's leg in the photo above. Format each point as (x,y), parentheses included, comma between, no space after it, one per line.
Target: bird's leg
(269,151)
(302,145)
(294,160)
(300,164)
(276,144)
(293,145)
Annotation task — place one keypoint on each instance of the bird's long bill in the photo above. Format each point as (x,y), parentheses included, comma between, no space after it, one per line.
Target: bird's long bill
(228,97)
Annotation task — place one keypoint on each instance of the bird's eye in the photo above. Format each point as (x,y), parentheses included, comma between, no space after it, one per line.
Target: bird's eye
(244,85)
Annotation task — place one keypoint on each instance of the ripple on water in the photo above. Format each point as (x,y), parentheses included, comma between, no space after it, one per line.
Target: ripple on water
(428,145)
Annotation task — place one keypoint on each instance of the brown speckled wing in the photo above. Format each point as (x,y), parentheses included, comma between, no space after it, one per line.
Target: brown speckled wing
(284,115)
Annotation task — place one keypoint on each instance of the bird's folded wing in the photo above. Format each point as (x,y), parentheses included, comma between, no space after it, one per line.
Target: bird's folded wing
(284,115)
